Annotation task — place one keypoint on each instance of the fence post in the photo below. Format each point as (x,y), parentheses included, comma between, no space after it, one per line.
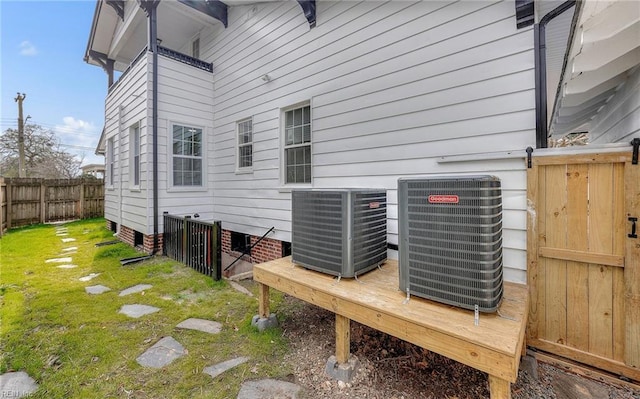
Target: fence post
(43,196)
(2,204)
(185,240)
(9,204)
(164,232)
(81,205)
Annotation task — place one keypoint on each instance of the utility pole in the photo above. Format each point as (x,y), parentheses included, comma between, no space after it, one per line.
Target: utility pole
(21,164)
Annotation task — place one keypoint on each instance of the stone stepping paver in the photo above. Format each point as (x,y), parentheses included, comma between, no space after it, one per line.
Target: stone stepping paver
(96,289)
(135,289)
(239,288)
(569,386)
(17,385)
(68,240)
(220,368)
(267,389)
(208,326)
(58,260)
(62,234)
(69,249)
(136,311)
(69,266)
(162,353)
(90,277)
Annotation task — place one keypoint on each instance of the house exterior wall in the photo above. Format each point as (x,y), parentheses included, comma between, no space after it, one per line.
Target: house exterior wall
(128,104)
(396,89)
(185,97)
(619,120)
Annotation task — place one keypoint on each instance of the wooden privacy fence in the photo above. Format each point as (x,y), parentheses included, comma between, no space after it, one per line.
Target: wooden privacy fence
(194,243)
(28,201)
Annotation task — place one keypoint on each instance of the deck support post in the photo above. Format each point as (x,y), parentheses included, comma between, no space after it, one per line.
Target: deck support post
(264,319)
(499,388)
(343,338)
(342,367)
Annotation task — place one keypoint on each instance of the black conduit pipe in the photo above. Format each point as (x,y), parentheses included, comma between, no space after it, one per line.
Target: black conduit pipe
(540,59)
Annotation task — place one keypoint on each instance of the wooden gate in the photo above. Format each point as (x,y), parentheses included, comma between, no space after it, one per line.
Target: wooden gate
(583,258)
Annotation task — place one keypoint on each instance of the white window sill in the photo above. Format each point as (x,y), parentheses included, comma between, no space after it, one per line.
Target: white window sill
(184,189)
(244,171)
(135,189)
(288,187)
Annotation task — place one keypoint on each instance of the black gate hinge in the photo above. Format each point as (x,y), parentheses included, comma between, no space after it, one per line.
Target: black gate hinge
(529,152)
(635,143)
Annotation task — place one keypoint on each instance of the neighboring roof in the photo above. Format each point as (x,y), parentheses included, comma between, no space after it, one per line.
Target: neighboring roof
(93,167)
(604,49)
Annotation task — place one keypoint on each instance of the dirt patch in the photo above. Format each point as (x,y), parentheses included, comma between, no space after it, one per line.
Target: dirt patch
(394,369)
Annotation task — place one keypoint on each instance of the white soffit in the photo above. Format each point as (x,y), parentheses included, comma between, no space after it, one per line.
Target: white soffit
(606,46)
(106,22)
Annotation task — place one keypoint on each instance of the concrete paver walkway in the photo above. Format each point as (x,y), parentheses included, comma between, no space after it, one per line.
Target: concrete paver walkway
(135,289)
(96,289)
(89,277)
(137,311)
(220,368)
(208,326)
(17,385)
(162,353)
(67,266)
(59,260)
(268,389)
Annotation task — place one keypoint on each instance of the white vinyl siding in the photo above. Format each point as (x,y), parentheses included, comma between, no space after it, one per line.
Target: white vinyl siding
(245,145)
(127,106)
(185,98)
(297,145)
(395,87)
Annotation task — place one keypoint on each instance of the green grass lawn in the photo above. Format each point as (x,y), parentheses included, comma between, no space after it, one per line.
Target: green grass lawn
(77,345)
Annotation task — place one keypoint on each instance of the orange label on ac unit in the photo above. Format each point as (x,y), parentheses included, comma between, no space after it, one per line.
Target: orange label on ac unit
(374,205)
(443,199)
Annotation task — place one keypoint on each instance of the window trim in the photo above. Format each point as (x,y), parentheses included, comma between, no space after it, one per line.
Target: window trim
(111,161)
(283,147)
(243,169)
(132,162)
(170,184)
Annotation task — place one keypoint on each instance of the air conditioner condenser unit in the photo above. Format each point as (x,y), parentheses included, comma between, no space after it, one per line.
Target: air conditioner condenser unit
(450,240)
(342,232)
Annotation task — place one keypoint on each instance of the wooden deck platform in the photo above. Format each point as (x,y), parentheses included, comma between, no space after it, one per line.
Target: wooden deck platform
(494,346)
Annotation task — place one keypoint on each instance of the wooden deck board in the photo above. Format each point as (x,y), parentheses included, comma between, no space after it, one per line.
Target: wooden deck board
(494,346)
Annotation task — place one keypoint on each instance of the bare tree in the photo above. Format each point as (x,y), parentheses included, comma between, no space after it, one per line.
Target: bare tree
(43,156)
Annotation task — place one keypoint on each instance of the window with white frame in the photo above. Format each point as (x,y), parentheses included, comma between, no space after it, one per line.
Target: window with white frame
(134,150)
(245,144)
(111,161)
(187,156)
(297,145)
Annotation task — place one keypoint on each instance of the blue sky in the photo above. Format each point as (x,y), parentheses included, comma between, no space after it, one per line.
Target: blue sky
(42,45)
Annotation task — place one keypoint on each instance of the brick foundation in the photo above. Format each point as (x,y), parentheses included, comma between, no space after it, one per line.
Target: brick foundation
(266,250)
(226,241)
(127,235)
